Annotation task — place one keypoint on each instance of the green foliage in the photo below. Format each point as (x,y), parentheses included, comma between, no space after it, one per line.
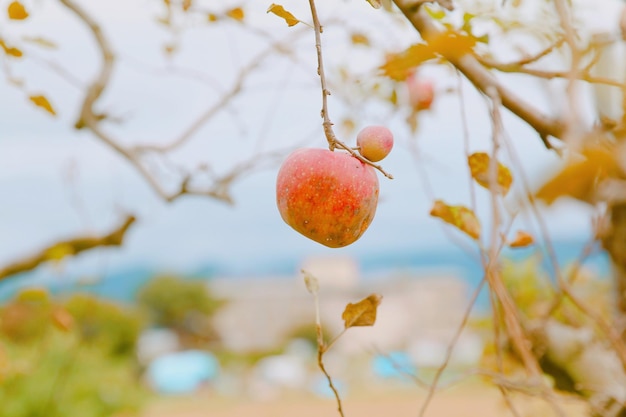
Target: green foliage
(62,377)
(73,359)
(181,304)
(537,297)
(32,314)
(112,326)
(26,319)
(528,284)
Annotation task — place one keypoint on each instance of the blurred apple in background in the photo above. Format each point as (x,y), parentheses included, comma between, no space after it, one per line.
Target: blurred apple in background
(421,91)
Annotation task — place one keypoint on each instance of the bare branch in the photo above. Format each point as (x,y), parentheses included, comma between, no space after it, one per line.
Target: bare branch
(68,247)
(514,67)
(313,287)
(482,78)
(89,119)
(574,115)
(95,89)
(333,142)
(511,314)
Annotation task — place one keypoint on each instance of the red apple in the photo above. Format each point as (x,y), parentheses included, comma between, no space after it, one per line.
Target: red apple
(374,142)
(329,197)
(421,92)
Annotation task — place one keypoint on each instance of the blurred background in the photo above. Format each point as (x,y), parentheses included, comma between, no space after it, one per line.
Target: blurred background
(197,305)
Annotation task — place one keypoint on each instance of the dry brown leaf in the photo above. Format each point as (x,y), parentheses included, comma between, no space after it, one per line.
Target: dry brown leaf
(459,216)
(480,163)
(280,11)
(362,313)
(311,283)
(17,11)
(521,240)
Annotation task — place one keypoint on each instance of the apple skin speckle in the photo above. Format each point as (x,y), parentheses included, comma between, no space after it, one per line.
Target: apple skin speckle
(329,197)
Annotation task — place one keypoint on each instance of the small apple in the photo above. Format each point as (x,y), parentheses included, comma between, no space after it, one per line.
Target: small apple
(421,92)
(329,197)
(374,142)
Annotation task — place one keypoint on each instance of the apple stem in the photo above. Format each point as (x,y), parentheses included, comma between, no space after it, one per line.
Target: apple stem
(333,142)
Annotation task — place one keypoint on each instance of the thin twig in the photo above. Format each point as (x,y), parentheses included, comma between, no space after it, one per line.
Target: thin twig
(504,390)
(575,113)
(563,283)
(466,140)
(219,105)
(450,348)
(546,74)
(90,120)
(321,349)
(333,142)
(511,315)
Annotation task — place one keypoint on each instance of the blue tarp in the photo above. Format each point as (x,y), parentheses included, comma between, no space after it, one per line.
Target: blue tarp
(182,372)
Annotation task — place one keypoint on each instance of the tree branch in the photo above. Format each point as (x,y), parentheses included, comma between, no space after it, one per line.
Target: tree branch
(68,247)
(90,119)
(333,142)
(482,78)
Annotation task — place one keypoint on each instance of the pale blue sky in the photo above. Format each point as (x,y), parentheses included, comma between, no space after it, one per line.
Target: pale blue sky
(38,153)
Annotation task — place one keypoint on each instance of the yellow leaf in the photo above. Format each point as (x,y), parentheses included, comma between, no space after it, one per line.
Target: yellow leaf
(280,11)
(579,178)
(480,163)
(211,17)
(236,13)
(399,66)
(362,313)
(9,50)
(17,11)
(459,216)
(360,39)
(59,251)
(521,240)
(452,44)
(43,102)
(393,97)
(448,44)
